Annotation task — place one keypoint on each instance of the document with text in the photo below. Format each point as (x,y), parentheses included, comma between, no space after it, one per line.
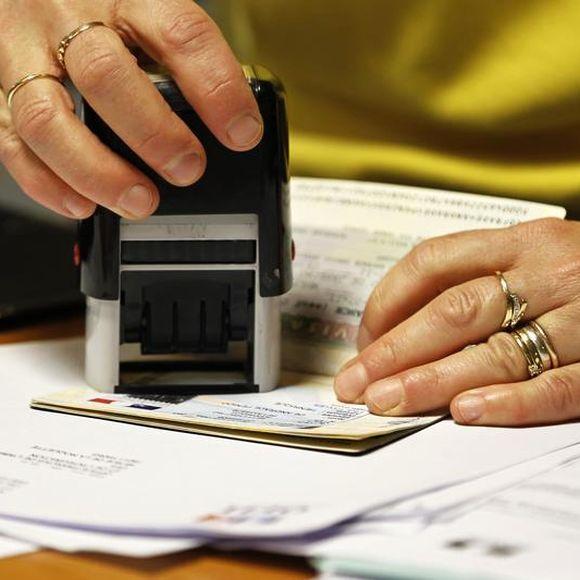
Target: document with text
(348,234)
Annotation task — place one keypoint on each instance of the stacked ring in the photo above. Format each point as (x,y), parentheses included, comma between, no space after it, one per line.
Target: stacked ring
(536,347)
(515,305)
(554,360)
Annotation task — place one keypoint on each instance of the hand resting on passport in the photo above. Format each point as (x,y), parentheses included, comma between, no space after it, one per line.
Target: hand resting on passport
(443,297)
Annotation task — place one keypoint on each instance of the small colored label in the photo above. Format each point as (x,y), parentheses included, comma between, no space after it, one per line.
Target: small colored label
(144,407)
(100,400)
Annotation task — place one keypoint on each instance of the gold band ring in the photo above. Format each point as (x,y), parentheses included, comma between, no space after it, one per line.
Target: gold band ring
(536,347)
(65,42)
(24,81)
(515,305)
(547,343)
(533,359)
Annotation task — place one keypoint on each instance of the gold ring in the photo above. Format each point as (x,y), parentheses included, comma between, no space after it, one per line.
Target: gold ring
(65,42)
(515,305)
(547,343)
(533,359)
(536,347)
(24,81)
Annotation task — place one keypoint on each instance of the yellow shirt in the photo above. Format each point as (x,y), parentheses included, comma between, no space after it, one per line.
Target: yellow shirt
(477,95)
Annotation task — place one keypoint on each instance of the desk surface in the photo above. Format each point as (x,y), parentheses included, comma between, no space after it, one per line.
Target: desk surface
(199,564)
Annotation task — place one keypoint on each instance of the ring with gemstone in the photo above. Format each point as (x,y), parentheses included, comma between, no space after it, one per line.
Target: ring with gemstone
(515,305)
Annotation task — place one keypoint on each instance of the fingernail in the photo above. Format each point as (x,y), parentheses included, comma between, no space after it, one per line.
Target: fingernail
(245,130)
(351,382)
(185,169)
(384,396)
(137,202)
(363,339)
(470,408)
(78,207)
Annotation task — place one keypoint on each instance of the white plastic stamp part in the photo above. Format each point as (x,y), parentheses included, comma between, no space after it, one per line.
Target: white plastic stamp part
(102,344)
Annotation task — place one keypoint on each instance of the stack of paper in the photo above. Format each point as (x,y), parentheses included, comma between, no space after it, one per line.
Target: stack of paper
(73,483)
(528,530)
(113,480)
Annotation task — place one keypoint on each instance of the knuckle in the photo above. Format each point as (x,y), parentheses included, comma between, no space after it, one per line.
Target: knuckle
(10,145)
(567,272)
(570,268)
(34,118)
(421,259)
(458,307)
(548,228)
(152,137)
(560,392)
(419,383)
(380,357)
(216,86)
(520,411)
(377,300)
(101,68)
(186,30)
(163,138)
(116,10)
(503,354)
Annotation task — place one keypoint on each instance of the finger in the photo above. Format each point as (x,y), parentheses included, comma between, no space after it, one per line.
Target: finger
(552,397)
(429,269)
(440,263)
(107,75)
(461,315)
(43,117)
(434,385)
(179,34)
(497,361)
(34,177)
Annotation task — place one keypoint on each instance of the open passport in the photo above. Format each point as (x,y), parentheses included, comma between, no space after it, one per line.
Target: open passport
(347,234)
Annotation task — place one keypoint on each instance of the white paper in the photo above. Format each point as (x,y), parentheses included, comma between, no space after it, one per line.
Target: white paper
(450,502)
(413,516)
(348,234)
(9,547)
(100,475)
(531,531)
(526,532)
(67,540)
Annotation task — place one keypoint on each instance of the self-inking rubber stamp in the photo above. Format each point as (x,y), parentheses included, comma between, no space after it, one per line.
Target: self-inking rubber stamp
(188,300)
